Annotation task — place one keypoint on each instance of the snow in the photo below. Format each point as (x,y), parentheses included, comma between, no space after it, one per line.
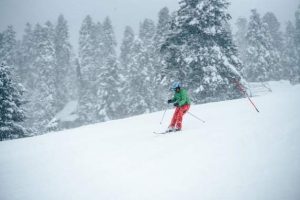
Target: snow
(194,22)
(237,154)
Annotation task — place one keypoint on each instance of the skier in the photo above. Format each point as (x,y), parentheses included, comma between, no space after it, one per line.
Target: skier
(182,103)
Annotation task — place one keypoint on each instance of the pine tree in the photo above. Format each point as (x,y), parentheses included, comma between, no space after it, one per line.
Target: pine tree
(86,43)
(8,46)
(137,57)
(108,80)
(273,26)
(26,58)
(11,113)
(42,99)
(88,71)
(98,45)
(240,37)
(126,48)
(138,77)
(26,74)
(160,82)
(146,62)
(126,59)
(197,53)
(262,58)
(109,40)
(289,60)
(63,66)
(229,47)
(18,61)
(147,31)
(99,70)
(162,28)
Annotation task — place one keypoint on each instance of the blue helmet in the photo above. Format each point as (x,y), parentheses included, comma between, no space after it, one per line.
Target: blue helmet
(175,85)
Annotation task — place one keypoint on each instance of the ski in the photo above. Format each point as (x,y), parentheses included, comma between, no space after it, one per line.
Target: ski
(166,132)
(160,132)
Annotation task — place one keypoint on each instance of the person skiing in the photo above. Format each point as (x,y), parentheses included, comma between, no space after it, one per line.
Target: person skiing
(182,103)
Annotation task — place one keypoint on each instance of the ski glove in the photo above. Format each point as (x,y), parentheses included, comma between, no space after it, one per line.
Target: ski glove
(176,104)
(170,101)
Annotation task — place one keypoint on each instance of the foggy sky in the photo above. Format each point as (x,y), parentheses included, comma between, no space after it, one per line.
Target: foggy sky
(122,12)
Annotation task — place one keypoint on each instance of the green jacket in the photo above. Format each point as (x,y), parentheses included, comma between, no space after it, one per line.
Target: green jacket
(181,97)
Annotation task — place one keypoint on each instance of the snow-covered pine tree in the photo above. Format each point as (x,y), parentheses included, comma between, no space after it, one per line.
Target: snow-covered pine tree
(98,44)
(160,81)
(126,58)
(126,48)
(147,63)
(8,46)
(138,90)
(240,37)
(289,59)
(11,113)
(262,58)
(273,27)
(162,28)
(108,80)
(42,99)
(18,60)
(134,55)
(88,71)
(25,73)
(229,47)
(27,56)
(196,50)
(147,31)
(63,68)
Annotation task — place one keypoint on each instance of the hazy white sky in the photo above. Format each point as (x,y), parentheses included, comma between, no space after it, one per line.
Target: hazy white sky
(122,12)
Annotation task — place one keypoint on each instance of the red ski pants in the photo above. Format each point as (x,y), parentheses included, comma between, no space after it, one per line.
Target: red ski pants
(177,117)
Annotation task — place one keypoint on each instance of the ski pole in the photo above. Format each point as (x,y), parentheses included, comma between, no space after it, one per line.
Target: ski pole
(163,116)
(245,93)
(196,117)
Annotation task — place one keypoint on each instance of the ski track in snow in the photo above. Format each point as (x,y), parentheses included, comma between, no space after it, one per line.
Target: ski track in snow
(237,154)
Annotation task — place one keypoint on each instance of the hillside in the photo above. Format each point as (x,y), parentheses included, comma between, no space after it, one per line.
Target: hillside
(238,154)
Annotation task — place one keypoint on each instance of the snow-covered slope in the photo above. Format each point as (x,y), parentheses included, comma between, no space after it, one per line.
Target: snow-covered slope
(237,154)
